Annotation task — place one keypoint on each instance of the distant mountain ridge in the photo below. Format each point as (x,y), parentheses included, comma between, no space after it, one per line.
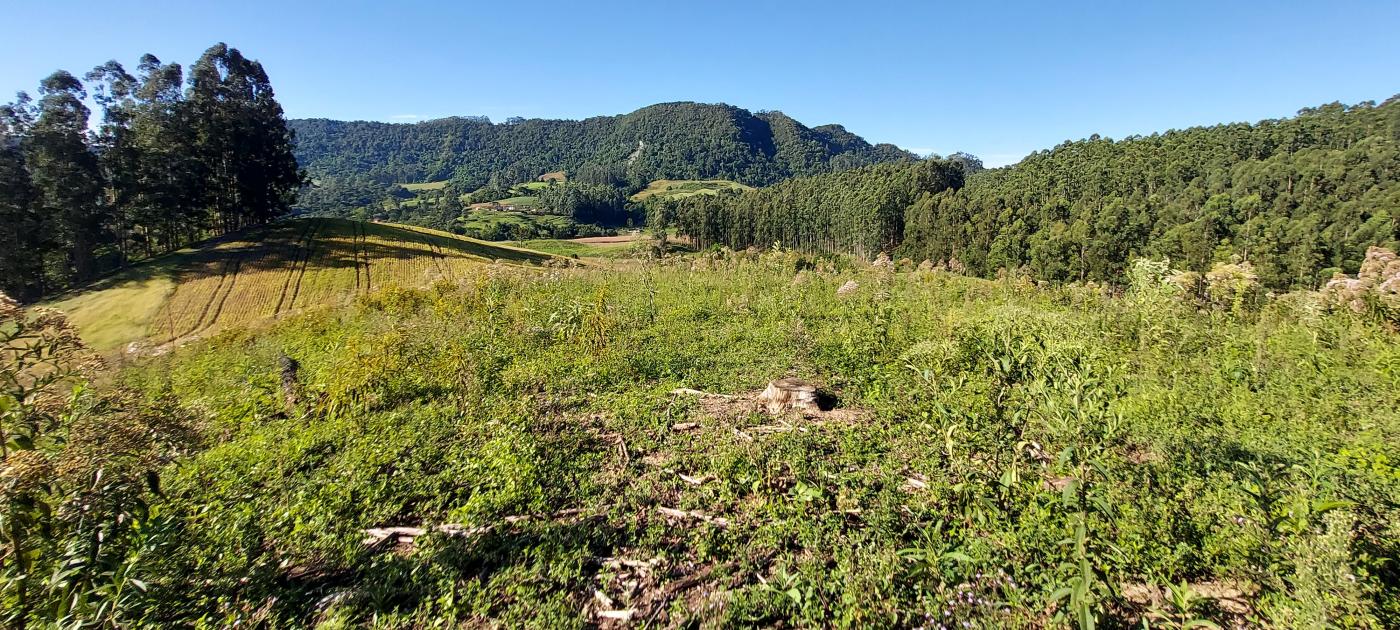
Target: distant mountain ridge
(682,140)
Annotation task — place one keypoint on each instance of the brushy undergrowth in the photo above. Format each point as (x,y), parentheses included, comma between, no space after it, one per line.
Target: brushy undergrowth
(1018,456)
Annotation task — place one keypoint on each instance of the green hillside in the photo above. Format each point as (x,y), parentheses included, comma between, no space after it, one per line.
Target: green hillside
(664,141)
(269,272)
(682,188)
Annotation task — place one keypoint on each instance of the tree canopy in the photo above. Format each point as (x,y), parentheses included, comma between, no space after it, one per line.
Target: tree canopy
(1298,198)
(171,162)
(664,141)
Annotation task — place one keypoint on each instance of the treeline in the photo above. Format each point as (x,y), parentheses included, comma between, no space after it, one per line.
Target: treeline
(665,141)
(174,159)
(586,203)
(858,211)
(1298,198)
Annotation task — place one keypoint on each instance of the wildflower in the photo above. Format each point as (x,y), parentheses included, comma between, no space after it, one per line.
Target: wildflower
(850,287)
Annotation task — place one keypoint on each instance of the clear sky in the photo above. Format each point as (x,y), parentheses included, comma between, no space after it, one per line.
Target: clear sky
(999,81)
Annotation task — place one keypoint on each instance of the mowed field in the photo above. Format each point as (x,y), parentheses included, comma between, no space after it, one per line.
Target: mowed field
(681,188)
(270,271)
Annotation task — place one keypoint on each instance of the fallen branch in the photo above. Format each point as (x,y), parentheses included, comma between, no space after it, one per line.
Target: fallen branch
(686,391)
(699,516)
(695,481)
(405,535)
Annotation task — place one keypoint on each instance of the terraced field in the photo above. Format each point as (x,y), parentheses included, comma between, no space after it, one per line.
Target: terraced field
(271,271)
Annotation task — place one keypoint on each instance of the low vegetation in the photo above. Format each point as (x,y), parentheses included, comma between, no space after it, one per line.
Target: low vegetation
(682,188)
(570,447)
(269,272)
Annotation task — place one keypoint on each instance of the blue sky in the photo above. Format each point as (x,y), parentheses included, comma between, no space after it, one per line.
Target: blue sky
(998,81)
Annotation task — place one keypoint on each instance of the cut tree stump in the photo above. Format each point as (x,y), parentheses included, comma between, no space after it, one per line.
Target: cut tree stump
(786,394)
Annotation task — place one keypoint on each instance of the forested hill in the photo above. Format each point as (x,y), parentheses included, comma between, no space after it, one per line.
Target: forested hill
(665,141)
(1298,198)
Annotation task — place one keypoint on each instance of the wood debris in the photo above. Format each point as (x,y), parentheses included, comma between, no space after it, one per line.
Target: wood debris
(694,515)
(686,391)
(695,481)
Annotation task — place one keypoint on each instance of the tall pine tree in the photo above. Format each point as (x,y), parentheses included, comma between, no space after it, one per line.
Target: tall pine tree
(22,233)
(66,174)
(240,135)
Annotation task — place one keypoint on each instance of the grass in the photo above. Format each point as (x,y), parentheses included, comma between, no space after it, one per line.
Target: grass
(1001,455)
(524,201)
(681,188)
(270,272)
(121,309)
(570,247)
(420,187)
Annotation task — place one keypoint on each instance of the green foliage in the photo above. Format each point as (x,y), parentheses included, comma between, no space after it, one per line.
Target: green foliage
(79,470)
(858,211)
(165,168)
(1011,456)
(1294,197)
(664,141)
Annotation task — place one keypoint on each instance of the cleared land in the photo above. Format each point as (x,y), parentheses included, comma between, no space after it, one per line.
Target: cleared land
(418,187)
(681,188)
(581,247)
(539,451)
(271,271)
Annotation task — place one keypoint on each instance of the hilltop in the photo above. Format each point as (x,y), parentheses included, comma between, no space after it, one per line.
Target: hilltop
(268,272)
(665,141)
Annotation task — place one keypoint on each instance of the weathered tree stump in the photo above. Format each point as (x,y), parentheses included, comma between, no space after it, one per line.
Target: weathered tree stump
(787,394)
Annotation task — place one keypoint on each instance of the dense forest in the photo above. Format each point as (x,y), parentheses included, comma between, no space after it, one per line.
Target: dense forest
(173,160)
(859,211)
(1298,199)
(358,161)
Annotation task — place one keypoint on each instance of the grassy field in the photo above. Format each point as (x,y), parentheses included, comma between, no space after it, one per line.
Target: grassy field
(681,188)
(269,272)
(991,454)
(522,201)
(572,247)
(419,187)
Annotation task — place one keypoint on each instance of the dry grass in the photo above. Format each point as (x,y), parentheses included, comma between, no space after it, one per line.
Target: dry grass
(272,271)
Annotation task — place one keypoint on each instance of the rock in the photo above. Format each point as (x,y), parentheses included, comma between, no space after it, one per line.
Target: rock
(787,394)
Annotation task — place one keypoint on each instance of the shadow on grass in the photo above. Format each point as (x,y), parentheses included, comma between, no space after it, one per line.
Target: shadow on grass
(284,245)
